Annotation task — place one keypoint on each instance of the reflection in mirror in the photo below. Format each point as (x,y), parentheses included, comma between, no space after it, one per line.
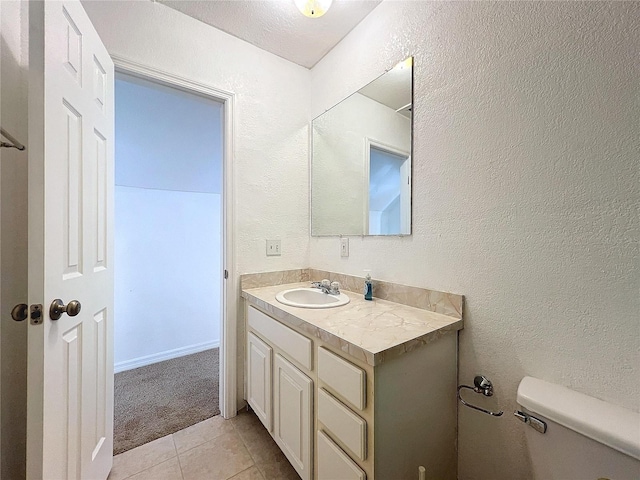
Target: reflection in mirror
(389,210)
(361,160)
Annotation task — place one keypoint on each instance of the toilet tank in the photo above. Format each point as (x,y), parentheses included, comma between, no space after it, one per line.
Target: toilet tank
(586,438)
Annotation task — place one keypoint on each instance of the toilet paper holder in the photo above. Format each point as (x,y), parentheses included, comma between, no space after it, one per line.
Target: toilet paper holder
(481,385)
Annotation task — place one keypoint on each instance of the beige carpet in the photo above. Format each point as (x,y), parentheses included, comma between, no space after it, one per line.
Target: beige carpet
(160,399)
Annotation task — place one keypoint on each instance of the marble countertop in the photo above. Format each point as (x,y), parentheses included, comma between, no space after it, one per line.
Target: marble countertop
(371,331)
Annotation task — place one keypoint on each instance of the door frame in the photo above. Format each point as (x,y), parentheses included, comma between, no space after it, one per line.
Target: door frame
(228,323)
(370,143)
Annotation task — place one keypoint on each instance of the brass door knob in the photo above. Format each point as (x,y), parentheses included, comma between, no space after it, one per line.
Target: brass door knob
(20,312)
(58,308)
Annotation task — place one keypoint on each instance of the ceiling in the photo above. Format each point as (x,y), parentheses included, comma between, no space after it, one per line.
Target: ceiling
(393,89)
(277,26)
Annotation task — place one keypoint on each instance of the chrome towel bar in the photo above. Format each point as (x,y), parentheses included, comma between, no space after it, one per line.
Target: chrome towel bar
(481,385)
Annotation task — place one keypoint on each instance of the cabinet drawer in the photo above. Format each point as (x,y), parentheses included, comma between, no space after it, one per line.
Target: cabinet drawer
(343,424)
(296,346)
(334,464)
(347,380)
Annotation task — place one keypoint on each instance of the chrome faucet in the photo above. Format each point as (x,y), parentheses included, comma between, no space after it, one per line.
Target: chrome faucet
(330,288)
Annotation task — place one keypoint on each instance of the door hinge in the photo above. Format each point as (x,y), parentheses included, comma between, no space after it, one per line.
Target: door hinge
(226,274)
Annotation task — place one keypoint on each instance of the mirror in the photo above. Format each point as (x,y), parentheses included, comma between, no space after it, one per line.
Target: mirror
(361,160)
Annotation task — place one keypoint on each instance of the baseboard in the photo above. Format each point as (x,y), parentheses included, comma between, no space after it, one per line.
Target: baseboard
(161,356)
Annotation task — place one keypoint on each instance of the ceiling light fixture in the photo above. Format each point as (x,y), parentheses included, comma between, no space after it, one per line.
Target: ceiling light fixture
(313,8)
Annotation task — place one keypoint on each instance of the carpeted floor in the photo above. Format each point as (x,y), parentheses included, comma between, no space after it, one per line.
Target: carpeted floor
(160,399)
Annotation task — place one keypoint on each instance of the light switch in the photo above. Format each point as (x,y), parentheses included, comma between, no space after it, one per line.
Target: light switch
(344,247)
(273,248)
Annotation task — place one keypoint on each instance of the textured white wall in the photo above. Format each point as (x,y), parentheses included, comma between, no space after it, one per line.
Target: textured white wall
(272,106)
(526,193)
(338,174)
(167,138)
(14,59)
(167,280)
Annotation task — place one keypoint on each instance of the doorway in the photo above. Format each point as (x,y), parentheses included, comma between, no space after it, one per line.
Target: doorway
(388,190)
(168,308)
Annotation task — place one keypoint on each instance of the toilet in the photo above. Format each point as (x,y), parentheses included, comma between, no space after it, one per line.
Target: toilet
(585,438)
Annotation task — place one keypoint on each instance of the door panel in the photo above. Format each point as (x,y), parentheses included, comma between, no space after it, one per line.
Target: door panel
(72,191)
(70,365)
(100,198)
(70,435)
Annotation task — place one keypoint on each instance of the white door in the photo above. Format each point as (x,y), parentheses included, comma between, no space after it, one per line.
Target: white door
(70,365)
(259,356)
(293,410)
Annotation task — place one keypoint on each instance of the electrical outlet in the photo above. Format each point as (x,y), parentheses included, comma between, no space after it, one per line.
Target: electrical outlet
(273,248)
(344,247)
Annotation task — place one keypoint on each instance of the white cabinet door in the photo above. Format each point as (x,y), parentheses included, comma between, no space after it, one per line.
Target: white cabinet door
(70,355)
(259,356)
(293,410)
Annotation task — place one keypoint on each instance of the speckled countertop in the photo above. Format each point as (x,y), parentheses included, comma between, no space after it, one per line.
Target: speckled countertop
(372,331)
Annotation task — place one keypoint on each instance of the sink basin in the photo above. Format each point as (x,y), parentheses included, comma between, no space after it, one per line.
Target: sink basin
(311,298)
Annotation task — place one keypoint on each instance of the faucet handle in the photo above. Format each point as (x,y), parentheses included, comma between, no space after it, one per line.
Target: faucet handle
(326,283)
(335,287)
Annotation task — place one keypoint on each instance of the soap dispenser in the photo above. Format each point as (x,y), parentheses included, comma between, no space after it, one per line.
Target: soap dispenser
(368,287)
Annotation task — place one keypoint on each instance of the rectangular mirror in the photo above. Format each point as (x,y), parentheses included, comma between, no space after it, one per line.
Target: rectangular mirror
(361,160)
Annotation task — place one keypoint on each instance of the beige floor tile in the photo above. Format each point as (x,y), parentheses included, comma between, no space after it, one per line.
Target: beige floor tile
(142,457)
(261,446)
(201,433)
(246,421)
(250,474)
(218,459)
(278,471)
(169,470)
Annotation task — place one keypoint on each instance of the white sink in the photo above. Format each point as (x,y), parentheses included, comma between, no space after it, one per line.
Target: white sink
(311,298)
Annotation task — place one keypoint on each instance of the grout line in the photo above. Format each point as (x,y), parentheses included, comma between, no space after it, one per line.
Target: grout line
(264,475)
(156,465)
(206,441)
(241,437)
(195,446)
(258,465)
(237,433)
(173,442)
(178,457)
(248,468)
(150,466)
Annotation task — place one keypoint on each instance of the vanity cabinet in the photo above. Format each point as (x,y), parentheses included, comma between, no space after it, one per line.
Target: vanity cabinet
(336,417)
(280,393)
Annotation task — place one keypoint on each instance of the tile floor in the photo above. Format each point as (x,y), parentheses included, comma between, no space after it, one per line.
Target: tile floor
(216,449)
